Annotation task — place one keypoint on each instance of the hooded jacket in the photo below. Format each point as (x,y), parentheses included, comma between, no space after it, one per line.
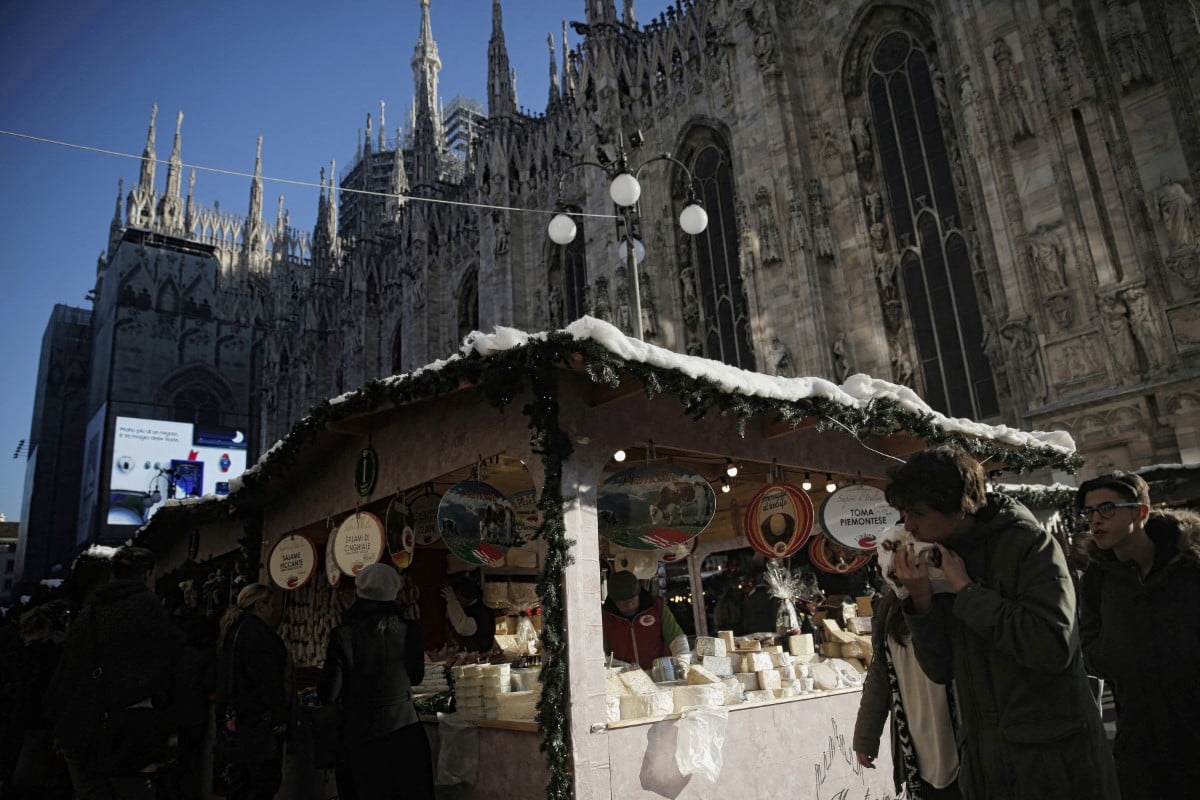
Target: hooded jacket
(1029,726)
(1143,635)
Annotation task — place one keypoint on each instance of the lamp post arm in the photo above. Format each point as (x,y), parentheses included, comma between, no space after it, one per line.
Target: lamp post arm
(563,175)
(673,160)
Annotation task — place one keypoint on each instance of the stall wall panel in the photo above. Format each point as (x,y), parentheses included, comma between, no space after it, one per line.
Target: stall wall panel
(798,750)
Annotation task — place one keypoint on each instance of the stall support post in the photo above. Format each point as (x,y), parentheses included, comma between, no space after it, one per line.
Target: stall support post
(697,585)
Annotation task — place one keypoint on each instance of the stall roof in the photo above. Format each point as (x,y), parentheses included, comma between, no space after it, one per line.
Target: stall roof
(497,363)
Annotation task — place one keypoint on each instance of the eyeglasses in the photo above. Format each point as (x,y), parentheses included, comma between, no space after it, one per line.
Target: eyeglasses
(1105,510)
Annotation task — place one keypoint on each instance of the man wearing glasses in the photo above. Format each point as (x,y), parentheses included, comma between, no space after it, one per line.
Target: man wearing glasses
(1140,629)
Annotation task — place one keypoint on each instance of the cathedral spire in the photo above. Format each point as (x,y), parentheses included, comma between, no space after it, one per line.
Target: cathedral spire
(254,241)
(170,205)
(382,129)
(146,181)
(428,136)
(114,227)
(331,217)
(553,99)
(502,95)
(568,83)
(189,211)
(601,13)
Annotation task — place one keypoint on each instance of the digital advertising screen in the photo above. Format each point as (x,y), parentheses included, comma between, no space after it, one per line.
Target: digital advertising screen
(156,460)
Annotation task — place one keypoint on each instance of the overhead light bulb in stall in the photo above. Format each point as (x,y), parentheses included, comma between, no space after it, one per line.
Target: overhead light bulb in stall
(807,484)
(619,455)
(725,487)
(830,486)
(730,468)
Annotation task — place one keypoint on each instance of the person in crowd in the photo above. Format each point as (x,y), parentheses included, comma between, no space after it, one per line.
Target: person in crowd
(39,771)
(924,753)
(254,690)
(374,658)
(1006,634)
(473,623)
(727,615)
(639,628)
(108,698)
(195,682)
(1141,590)
(760,611)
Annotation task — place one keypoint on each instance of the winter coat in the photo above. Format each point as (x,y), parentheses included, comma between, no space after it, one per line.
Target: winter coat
(256,660)
(1029,725)
(645,636)
(875,705)
(119,652)
(374,658)
(1143,635)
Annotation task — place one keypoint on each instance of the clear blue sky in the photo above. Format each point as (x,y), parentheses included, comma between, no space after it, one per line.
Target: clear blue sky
(302,74)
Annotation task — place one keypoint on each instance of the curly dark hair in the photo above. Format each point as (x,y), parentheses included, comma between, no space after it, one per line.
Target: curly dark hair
(944,478)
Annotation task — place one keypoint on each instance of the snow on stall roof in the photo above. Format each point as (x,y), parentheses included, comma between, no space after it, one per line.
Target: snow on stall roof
(856,392)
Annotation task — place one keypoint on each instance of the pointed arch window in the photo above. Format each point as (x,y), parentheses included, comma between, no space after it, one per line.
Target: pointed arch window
(716,313)
(567,292)
(196,405)
(937,283)
(468,304)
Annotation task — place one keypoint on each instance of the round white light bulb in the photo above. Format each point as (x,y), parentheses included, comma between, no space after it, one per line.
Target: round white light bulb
(831,487)
(562,229)
(619,455)
(639,250)
(725,488)
(731,470)
(693,219)
(625,189)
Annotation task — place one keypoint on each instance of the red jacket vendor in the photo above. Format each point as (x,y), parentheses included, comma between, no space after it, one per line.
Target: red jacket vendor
(639,628)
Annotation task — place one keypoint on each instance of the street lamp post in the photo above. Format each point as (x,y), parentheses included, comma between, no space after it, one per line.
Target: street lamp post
(624,189)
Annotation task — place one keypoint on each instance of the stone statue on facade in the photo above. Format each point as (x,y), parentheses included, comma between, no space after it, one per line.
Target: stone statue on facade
(781,359)
(1046,258)
(1014,102)
(1114,318)
(1146,330)
(554,302)
(841,363)
(1023,346)
(1177,210)
(768,231)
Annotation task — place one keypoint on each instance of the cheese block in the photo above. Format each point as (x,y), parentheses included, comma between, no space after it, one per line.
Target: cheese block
(762,661)
(769,679)
(853,650)
(859,625)
(824,675)
(858,665)
(700,674)
(868,648)
(748,644)
(807,658)
(830,649)
(787,690)
(727,637)
(835,632)
(718,665)
(734,690)
(467,692)
(613,685)
(614,707)
(773,648)
(787,673)
(653,704)
(708,694)
(522,705)
(637,682)
(759,695)
(801,644)
(748,680)
(710,646)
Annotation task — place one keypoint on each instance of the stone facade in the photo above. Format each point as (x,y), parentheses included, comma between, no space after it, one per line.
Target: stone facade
(993,203)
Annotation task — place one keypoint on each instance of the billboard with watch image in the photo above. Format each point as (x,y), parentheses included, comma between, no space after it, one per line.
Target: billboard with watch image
(158,460)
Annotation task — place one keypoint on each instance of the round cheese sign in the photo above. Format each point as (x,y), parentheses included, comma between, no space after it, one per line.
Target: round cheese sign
(654,507)
(856,516)
(424,510)
(478,523)
(779,520)
(358,542)
(292,562)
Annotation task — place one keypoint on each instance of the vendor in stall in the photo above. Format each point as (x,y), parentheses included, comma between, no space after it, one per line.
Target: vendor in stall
(473,625)
(639,628)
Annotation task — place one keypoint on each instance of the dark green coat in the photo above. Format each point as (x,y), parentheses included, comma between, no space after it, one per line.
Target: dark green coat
(1029,725)
(1144,637)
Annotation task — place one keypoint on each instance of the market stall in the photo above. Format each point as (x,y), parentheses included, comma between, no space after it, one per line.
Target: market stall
(547,414)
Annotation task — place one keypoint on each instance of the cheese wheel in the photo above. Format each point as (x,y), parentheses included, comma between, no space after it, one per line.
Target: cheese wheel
(708,694)
(654,704)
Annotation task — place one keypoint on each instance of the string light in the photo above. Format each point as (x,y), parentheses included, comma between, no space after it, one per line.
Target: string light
(619,455)
(725,487)
(807,484)
(830,486)
(730,468)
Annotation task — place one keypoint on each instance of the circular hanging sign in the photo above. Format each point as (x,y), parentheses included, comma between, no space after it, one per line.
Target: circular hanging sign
(856,516)
(779,520)
(654,506)
(478,523)
(401,537)
(424,510)
(333,573)
(358,542)
(829,556)
(365,471)
(292,562)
